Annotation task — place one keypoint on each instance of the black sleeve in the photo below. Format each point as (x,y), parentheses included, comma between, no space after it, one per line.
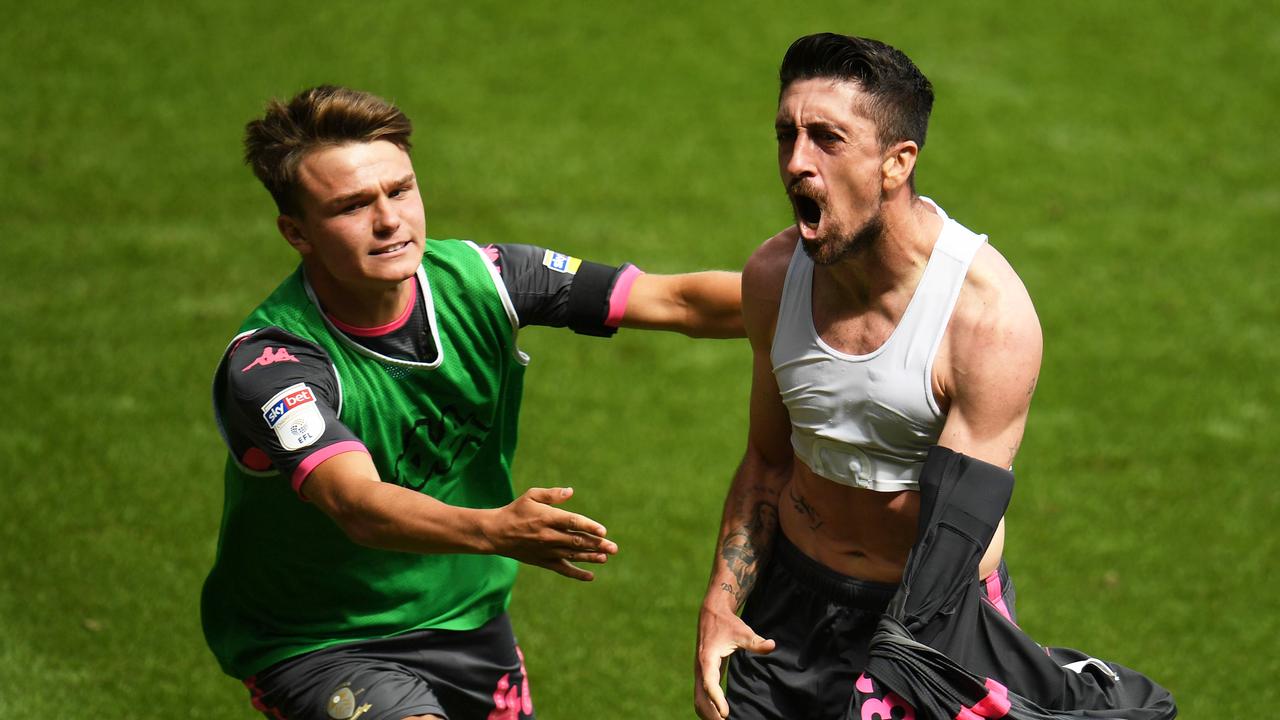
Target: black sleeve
(279,404)
(556,290)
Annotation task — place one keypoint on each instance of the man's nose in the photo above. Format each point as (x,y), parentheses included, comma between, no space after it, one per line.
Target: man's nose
(385,218)
(799,159)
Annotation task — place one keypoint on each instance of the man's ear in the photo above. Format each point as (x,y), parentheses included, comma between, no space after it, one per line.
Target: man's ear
(291,230)
(898,165)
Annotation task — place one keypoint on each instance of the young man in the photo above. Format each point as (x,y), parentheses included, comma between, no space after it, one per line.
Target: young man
(370,532)
(880,327)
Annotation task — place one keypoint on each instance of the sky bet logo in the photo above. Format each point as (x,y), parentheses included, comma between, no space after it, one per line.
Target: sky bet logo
(290,398)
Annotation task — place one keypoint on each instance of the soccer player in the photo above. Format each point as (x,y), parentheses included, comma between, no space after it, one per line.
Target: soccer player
(370,532)
(879,327)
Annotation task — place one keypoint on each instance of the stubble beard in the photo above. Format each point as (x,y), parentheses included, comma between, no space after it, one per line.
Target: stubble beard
(836,246)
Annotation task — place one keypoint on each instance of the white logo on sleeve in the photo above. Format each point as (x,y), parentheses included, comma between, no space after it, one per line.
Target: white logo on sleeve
(560,262)
(295,416)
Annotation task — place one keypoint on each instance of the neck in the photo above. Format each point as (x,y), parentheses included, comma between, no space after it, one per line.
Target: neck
(363,306)
(911,229)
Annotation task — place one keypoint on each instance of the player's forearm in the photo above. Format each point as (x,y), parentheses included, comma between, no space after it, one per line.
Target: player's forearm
(701,304)
(389,517)
(747,530)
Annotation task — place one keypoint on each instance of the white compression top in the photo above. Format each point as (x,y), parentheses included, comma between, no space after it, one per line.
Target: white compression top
(867,421)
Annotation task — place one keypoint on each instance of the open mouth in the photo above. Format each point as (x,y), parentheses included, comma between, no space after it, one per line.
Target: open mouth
(808,211)
(390,248)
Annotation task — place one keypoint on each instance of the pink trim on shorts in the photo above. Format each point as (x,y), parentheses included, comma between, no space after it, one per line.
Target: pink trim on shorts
(511,702)
(491,252)
(310,462)
(995,593)
(381,329)
(621,293)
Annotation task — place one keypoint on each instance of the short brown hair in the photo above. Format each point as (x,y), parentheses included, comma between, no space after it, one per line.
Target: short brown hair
(324,116)
(901,96)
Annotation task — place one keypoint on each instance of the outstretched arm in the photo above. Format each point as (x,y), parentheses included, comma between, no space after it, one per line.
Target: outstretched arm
(382,515)
(700,304)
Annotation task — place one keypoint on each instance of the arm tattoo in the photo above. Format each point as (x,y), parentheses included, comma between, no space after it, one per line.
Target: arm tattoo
(746,545)
(804,508)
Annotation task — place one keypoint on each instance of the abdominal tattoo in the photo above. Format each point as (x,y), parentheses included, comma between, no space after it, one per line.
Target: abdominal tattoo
(741,548)
(803,507)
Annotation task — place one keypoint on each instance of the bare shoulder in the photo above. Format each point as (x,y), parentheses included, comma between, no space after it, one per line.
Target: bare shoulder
(994,310)
(766,269)
(762,281)
(993,346)
(989,362)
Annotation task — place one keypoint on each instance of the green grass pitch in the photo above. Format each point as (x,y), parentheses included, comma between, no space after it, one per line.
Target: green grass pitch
(1121,155)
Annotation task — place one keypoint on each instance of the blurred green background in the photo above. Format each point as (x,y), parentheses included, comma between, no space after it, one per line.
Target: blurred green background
(1121,155)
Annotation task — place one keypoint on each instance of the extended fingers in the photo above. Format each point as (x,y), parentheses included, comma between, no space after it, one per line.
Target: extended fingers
(569,570)
(581,541)
(709,701)
(549,496)
(563,519)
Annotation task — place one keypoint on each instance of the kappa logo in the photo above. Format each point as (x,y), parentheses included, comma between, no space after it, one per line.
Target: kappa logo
(270,357)
(292,397)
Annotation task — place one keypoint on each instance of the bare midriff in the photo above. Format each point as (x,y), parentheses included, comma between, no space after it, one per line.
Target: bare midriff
(864,534)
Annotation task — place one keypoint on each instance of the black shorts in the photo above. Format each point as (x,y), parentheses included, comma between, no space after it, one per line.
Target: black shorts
(822,622)
(460,675)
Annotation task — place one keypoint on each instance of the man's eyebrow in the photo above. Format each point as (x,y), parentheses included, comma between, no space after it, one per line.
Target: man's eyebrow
(349,197)
(783,123)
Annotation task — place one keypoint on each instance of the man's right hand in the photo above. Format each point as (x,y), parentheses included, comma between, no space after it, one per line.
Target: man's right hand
(720,633)
(532,530)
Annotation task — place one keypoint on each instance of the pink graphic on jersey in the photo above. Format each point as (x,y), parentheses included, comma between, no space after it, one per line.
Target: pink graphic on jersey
(269,357)
(509,701)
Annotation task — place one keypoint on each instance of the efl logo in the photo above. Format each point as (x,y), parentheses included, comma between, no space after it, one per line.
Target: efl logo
(291,397)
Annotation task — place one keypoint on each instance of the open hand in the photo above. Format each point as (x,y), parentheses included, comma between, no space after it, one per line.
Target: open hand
(720,633)
(532,530)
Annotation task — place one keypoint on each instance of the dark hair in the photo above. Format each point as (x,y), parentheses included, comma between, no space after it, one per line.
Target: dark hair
(276,143)
(901,97)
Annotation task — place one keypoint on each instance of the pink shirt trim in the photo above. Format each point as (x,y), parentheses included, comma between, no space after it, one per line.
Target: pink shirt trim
(381,329)
(621,293)
(314,459)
